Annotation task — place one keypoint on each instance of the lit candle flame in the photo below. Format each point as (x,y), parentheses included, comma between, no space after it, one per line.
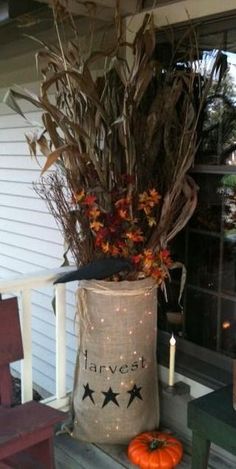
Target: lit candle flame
(172,340)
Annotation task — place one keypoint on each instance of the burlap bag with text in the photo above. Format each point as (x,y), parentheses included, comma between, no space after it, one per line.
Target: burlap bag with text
(116,387)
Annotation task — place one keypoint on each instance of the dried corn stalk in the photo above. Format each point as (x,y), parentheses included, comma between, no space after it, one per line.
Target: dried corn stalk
(131,129)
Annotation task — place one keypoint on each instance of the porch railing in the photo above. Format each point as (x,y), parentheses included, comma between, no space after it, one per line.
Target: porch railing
(22,286)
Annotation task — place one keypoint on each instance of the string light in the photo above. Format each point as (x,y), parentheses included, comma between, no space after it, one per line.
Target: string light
(125,385)
(226,325)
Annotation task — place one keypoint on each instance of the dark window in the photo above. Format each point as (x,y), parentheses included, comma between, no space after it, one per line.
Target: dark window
(206,315)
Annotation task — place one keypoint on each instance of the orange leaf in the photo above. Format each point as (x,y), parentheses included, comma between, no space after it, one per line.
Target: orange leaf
(159,274)
(78,196)
(155,196)
(96,225)
(123,214)
(148,254)
(135,236)
(114,250)
(105,247)
(94,213)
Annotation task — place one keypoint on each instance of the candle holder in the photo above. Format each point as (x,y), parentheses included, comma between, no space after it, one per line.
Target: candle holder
(178,389)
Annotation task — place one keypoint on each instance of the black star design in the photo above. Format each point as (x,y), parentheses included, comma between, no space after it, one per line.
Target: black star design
(110,396)
(134,392)
(88,392)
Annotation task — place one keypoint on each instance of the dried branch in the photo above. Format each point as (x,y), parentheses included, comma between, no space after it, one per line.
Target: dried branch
(119,135)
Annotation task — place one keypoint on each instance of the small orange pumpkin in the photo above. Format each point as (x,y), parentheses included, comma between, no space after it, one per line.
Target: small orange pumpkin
(155,450)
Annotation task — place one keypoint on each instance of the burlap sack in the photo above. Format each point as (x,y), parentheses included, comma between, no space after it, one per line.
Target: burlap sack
(116,387)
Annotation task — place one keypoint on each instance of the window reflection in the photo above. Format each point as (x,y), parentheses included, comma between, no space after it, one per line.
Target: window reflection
(208,214)
(219,126)
(228,328)
(203,261)
(207,246)
(201,323)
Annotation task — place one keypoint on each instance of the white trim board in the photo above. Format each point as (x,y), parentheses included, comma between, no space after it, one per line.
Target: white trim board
(178,12)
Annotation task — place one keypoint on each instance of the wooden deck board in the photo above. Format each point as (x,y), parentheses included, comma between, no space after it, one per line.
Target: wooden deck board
(74,454)
(77,454)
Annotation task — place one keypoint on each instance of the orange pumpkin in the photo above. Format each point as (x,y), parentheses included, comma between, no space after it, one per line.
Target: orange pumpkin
(155,450)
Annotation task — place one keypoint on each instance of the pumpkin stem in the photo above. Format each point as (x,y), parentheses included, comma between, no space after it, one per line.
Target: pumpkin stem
(156,444)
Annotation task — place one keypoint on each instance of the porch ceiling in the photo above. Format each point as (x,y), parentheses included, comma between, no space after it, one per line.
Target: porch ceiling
(104,9)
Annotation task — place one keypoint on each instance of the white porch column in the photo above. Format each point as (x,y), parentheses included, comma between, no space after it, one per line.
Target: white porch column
(60,341)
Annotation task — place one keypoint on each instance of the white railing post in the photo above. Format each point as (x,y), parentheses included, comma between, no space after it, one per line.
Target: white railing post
(26,330)
(60,341)
(23,285)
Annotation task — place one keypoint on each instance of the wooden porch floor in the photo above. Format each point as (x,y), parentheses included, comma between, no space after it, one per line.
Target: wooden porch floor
(74,454)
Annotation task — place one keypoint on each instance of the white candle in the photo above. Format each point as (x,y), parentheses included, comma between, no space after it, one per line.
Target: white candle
(172,361)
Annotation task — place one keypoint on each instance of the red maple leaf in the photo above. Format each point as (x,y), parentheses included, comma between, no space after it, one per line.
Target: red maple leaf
(89,200)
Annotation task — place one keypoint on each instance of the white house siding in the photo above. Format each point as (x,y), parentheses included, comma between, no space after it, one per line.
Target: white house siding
(30,240)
